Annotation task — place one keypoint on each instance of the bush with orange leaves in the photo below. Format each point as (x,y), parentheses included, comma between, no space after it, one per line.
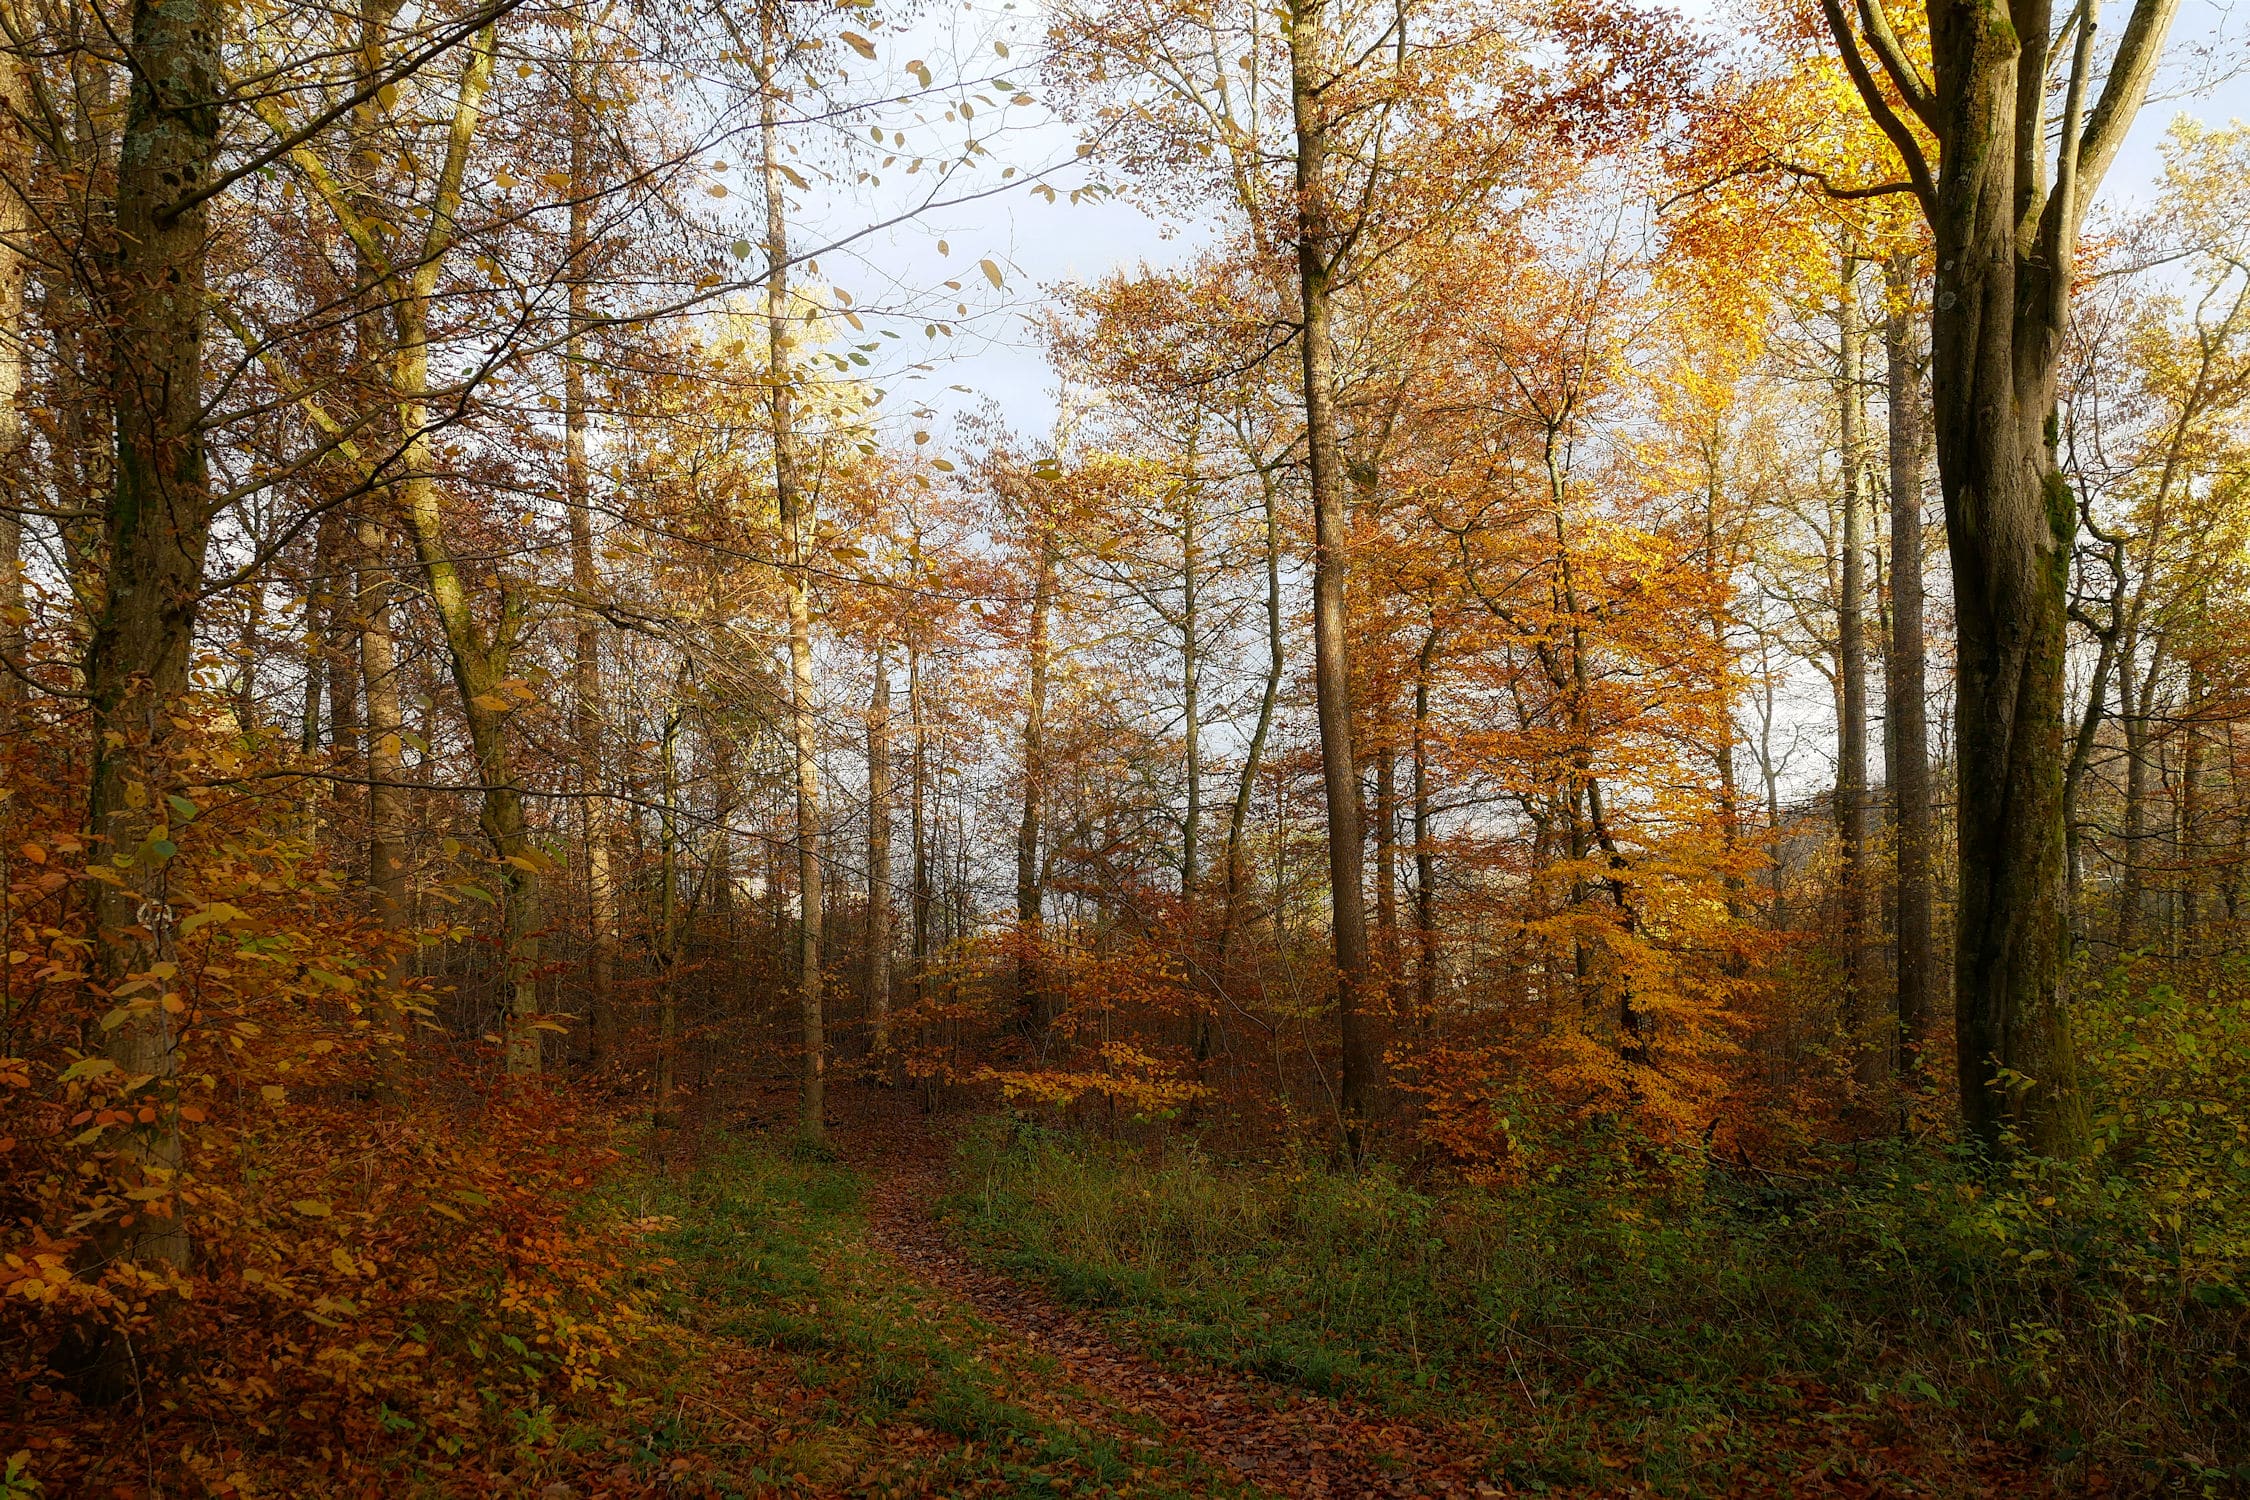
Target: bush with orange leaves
(379,1271)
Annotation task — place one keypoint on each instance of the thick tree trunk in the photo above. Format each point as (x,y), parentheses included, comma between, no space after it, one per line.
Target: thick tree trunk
(879,856)
(1906,715)
(2009,524)
(158,529)
(1318,249)
(2005,231)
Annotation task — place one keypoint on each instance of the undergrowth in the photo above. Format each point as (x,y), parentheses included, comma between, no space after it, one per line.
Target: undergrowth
(1620,1313)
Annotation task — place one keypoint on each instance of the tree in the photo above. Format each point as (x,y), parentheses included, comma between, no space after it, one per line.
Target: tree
(2005,219)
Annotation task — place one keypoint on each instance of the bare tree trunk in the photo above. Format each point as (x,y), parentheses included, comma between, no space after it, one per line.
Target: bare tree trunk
(1851,654)
(15,229)
(795,514)
(2190,852)
(1030,887)
(667,944)
(1191,684)
(158,529)
(1425,855)
(1238,821)
(386,729)
(479,659)
(879,856)
(1318,251)
(586,669)
(1906,713)
(918,901)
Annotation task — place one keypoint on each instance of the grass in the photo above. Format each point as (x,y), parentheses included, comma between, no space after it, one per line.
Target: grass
(805,1360)
(1892,1316)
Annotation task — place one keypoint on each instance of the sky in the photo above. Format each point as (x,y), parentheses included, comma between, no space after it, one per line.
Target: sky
(1041,245)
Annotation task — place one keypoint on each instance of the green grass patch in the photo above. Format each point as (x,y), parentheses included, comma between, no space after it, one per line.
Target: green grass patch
(1688,1328)
(879,1384)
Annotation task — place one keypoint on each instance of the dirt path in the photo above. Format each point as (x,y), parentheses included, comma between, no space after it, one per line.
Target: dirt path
(1281,1440)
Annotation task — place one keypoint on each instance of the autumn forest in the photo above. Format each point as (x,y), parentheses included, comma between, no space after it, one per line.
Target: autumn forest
(1123,747)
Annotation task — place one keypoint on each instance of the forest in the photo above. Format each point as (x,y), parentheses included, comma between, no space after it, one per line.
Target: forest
(1123,747)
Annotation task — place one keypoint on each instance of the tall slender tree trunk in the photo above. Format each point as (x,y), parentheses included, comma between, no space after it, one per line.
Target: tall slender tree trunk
(1318,248)
(2188,857)
(479,658)
(15,229)
(378,649)
(1238,820)
(386,730)
(158,528)
(1191,686)
(1851,663)
(1425,853)
(1906,684)
(795,514)
(1030,886)
(918,899)
(587,710)
(2136,692)
(667,943)
(879,856)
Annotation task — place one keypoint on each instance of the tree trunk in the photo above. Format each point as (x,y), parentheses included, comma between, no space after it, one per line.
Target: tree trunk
(386,729)
(2189,854)
(1906,714)
(158,529)
(918,900)
(15,228)
(795,515)
(1238,821)
(879,857)
(587,710)
(1318,250)
(667,943)
(1030,887)
(479,659)
(1851,663)
(1191,684)
(1425,856)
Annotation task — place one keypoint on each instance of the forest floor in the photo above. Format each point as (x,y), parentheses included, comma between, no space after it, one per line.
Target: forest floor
(827,1336)
(835,1337)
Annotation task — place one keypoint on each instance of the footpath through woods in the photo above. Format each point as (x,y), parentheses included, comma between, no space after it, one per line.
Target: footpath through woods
(1283,1441)
(840,1332)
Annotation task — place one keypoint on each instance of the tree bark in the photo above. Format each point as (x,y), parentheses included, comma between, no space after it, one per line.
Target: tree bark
(587,709)
(15,229)
(479,658)
(1318,251)
(2005,233)
(879,856)
(1425,855)
(157,528)
(1906,684)
(1851,664)
(1030,887)
(795,515)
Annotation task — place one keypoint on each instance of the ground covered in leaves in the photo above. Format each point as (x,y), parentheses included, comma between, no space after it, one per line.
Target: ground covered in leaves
(974,1307)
